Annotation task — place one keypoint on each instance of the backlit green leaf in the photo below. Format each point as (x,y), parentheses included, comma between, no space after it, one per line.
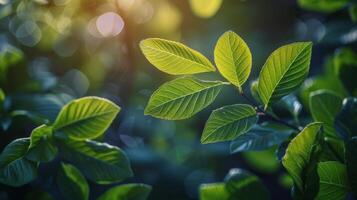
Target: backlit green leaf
(205,8)
(99,162)
(182,98)
(85,118)
(299,151)
(333,181)
(284,71)
(324,106)
(127,192)
(214,191)
(15,169)
(72,183)
(323,5)
(229,122)
(174,58)
(42,148)
(233,58)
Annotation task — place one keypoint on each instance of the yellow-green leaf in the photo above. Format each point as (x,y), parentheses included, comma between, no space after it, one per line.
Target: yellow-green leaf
(205,8)
(174,58)
(233,58)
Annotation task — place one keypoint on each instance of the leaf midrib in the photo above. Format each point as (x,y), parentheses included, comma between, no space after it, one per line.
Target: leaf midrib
(184,58)
(83,119)
(192,93)
(287,69)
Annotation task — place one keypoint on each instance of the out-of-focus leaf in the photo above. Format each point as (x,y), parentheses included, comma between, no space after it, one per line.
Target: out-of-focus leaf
(228,122)
(127,192)
(233,58)
(263,161)
(258,138)
(346,120)
(214,191)
(205,8)
(38,195)
(284,71)
(42,148)
(292,105)
(326,6)
(182,98)
(99,162)
(72,183)
(85,118)
(333,181)
(174,58)
(15,169)
(351,163)
(2,98)
(246,186)
(345,61)
(324,106)
(353,12)
(300,159)
(9,55)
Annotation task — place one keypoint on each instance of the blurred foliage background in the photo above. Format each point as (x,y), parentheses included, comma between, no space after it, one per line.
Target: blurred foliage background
(52,51)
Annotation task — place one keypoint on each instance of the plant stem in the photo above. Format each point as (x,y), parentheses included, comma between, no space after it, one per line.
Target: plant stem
(270,117)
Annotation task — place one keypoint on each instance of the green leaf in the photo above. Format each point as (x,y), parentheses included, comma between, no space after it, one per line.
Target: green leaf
(2,98)
(72,183)
(174,58)
(299,152)
(324,106)
(351,163)
(345,61)
(326,6)
(258,138)
(233,58)
(15,169)
(42,148)
(85,118)
(333,181)
(127,192)
(214,191)
(262,161)
(353,12)
(99,162)
(228,122)
(284,71)
(241,183)
(182,98)
(9,55)
(346,120)
(254,91)
(205,8)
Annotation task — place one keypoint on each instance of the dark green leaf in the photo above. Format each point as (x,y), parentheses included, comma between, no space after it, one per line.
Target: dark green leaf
(258,138)
(243,185)
(85,118)
(346,120)
(99,162)
(228,122)
(346,67)
(15,169)
(72,183)
(351,163)
(353,12)
(127,192)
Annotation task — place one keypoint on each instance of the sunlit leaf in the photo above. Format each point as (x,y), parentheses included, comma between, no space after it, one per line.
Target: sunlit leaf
(15,169)
(205,8)
(72,183)
(228,122)
(333,181)
(99,162)
(85,118)
(324,106)
(233,58)
(42,148)
(174,58)
(299,153)
(127,192)
(214,191)
(182,98)
(284,71)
